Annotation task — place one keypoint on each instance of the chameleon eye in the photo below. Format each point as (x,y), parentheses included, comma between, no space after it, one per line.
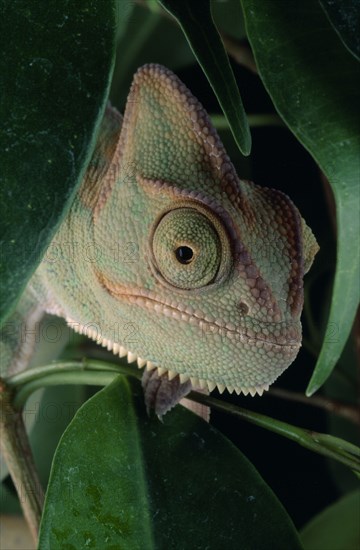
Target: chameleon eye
(187,248)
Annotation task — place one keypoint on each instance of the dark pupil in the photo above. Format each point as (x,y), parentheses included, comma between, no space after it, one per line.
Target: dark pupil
(184,254)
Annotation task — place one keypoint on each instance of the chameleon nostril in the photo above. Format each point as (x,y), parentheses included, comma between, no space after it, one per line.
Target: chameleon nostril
(244,308)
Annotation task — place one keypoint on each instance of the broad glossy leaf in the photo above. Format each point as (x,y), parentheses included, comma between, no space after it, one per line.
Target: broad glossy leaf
(128,481)
(55,68)
(197,23)
(123,12)
(314,84)
(344,15)
(52,414)
(335,528)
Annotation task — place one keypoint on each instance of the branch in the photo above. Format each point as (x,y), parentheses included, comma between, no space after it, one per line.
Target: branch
(323,444)
(349,412)
(255,121)
(90,372)
(102,372)
(15,448)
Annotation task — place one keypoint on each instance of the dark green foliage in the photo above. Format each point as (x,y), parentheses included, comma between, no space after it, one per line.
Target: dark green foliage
(118,477)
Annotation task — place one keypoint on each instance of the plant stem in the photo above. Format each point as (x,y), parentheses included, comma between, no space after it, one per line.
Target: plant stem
(89,372)
(258,120)
(324,444)
(101,373)
(15,448)
(337,407)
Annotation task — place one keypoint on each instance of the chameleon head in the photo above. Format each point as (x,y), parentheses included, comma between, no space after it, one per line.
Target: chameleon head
(215,290)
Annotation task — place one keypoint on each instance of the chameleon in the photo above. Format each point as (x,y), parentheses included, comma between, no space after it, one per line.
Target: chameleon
(168,258)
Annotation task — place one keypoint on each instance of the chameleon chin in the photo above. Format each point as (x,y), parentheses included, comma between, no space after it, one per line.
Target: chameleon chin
(215,290)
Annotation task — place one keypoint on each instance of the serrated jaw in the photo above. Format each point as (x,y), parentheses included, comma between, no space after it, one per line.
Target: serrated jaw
(197,383)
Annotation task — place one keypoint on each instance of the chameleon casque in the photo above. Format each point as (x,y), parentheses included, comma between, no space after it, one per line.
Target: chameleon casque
(214,296)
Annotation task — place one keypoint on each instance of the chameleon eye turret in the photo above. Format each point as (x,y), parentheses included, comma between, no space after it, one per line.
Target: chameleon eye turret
(187,249)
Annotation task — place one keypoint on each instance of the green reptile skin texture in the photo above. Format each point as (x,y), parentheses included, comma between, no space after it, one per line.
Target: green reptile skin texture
(169,258)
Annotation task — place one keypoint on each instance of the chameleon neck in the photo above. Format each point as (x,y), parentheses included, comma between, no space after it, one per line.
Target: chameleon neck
(73,253)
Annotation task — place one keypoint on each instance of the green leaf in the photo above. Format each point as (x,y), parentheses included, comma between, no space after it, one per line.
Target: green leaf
(196,21)
(344,15)
(133,482)
(314,85)
(46,414)
(123,12)
(336,528)
(52,414)
(55,69)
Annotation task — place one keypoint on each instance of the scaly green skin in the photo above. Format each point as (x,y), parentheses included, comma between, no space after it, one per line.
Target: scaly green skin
(160,185)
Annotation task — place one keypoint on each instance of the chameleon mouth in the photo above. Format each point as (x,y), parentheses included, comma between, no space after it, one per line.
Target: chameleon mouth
(289,339)
(196,383)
